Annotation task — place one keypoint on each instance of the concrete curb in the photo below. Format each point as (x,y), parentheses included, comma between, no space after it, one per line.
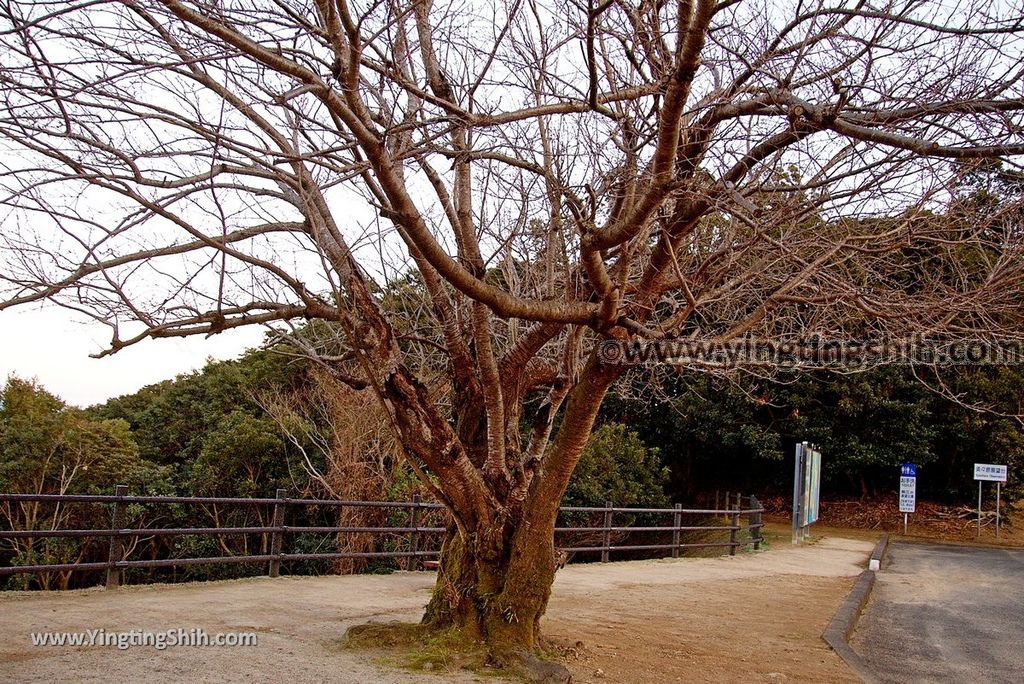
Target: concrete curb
(967,543)
(840,628)
(878,553)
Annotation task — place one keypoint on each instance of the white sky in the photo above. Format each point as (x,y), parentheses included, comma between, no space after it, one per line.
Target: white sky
(53,346)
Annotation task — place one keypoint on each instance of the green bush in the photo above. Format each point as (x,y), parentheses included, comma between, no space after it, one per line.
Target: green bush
(617,466)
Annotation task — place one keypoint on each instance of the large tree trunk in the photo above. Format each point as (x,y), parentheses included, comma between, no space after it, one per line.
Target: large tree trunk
(496,592)
(494,581)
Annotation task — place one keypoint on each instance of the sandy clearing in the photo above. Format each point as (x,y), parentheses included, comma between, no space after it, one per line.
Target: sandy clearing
(748,618)
(753,617)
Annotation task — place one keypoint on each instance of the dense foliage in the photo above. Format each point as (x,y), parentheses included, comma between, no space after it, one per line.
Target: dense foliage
(739,434)
(222,431)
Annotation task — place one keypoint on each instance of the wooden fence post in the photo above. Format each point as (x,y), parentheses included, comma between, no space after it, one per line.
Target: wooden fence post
(414,537)
(755,519)
(677,522)
(735,518)
(115,551)
(276,536)
(607,531)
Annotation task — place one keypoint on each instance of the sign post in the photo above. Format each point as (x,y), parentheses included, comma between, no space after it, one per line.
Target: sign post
(986,472)
(908,491)
(998,483)
(979,506)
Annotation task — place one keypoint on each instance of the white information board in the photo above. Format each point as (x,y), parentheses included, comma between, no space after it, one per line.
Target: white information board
(812,486)
(806,489)
(908,494)
(989,472)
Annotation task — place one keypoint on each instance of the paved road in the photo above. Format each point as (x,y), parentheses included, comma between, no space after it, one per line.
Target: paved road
(945,614)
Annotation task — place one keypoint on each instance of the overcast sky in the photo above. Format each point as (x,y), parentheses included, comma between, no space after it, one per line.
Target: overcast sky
(54,347)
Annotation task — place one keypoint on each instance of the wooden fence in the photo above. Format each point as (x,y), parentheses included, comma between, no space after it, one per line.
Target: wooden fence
(737,524)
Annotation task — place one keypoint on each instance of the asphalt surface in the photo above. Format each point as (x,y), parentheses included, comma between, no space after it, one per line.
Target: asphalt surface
(945,614)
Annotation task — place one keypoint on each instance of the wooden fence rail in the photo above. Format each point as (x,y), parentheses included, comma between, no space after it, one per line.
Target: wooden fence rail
(726,521)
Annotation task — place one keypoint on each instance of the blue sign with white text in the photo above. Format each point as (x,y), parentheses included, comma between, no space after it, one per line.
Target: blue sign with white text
(908,488)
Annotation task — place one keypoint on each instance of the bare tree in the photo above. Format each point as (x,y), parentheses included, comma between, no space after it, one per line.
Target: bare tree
(345,429)
(552,175)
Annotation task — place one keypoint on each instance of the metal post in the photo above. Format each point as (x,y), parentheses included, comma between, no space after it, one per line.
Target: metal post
(414,523)
(115,551)
(805,495)
(276,535)
(904,524)
(735,522)
(606,544)
(798,481)
(677,522)
(979,509)
(997,508)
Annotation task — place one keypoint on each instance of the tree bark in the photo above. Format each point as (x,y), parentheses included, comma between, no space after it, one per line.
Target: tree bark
(500,598)
(494,580)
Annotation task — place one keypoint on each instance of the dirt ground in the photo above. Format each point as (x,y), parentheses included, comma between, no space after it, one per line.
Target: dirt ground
(755,617)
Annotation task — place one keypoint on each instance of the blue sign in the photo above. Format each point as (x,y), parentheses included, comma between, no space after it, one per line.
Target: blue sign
(908,488)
